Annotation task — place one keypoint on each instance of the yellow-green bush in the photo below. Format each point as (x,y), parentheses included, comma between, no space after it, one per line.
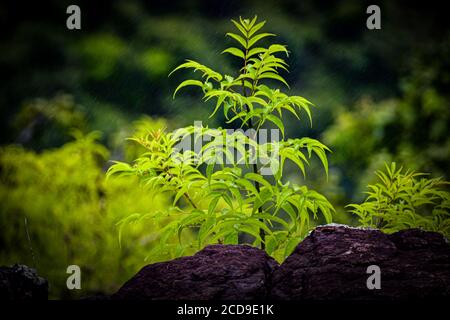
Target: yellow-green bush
(59,197)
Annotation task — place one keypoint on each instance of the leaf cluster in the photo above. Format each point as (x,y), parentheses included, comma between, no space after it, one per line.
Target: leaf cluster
(245,97)
(405,199)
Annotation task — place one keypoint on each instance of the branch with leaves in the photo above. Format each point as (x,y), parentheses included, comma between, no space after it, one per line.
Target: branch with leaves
(405,199)
(227,199)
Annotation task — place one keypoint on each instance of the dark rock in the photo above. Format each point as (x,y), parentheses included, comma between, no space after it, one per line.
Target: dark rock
(20,282)
(331,263)
(219,272)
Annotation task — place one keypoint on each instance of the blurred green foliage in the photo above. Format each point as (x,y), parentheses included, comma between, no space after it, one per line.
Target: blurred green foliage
(41,123)
(411,130)
(100,54)
(71,216)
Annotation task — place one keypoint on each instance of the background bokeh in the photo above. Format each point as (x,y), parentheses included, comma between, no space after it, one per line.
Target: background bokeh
(382,95)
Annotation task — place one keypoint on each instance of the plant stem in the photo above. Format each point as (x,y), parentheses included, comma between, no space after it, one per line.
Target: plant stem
(262,233)
(186,195)
(29,243)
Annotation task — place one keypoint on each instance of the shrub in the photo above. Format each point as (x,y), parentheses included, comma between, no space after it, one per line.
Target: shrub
(56,210)
(405,199)
(223,197)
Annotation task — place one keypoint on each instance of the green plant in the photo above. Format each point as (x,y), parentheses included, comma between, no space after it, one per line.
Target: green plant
(222,190)
(405,199)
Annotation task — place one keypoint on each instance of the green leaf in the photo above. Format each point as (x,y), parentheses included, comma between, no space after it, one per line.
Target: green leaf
(258,178)
(119,168)
(252,23)
(258,224)
(238,38)
(258,37)
(248,186)
(188,83)
(254,51)
(294,157)
(277,48)
(122,223)
(179,194)
(251,232)
(235,52)
(257,27)
(209,170)
(231,238)
(240,28)
(270,217)
(205,229)
(290,246)
(291,212)
(277,121)
(323,158)
(271,75)
(198,66)
(220,100)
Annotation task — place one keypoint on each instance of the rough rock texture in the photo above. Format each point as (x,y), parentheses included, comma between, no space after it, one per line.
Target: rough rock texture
(219,272)
(20,282)
(331,263)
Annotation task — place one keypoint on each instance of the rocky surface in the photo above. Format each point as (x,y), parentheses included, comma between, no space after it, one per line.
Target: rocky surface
(222,272)
(331,263)
(20,282)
